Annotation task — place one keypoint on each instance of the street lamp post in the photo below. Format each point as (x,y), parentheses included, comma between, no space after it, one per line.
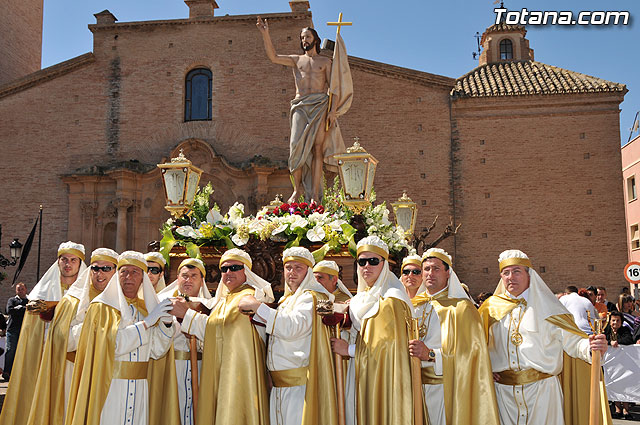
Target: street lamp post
(15,251)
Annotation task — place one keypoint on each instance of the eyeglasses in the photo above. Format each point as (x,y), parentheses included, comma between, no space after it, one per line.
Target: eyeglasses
(154,270)
(372,261)
(416,272)
(232,268)
(105,269)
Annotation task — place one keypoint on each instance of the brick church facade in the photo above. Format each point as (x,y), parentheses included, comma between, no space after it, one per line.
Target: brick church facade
(523,154)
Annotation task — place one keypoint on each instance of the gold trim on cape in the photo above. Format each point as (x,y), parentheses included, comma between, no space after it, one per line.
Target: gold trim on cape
(185,355)
(429,376)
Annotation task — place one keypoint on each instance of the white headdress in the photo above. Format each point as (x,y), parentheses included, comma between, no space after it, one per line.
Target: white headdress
(263,291)
(203,291)
(331,268)
(542,301)
(81,288)
(365,303)
(48,287)
(304,256)
(113,295)
(156,257)
(455,287)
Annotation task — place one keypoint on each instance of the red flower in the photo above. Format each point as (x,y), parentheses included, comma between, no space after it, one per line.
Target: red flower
(275,211)
(284,207)
(298,212)
(304,205)
(294,205)
(320,209)
(307,212)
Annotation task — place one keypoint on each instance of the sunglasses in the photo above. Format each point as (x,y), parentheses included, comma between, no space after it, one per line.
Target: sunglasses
(233,268)
(372,261)
(409,271)
(105,269)
(154,270)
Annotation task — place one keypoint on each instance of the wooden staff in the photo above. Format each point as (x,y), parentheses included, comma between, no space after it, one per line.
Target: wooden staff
(416,378)
(595,411)
(193,351)
(339,382)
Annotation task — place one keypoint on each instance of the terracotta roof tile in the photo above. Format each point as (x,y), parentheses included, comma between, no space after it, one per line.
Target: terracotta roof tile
(526,78)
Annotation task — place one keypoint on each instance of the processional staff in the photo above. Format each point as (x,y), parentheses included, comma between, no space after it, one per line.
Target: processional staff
(339,24)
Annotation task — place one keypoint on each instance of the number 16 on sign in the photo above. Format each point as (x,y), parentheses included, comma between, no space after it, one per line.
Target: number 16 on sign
(632,272)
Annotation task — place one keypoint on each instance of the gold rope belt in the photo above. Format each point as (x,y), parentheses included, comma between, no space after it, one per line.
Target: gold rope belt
(185,355)
(71,356)
(429,376)
(130,370)
(521,377)
(289,377)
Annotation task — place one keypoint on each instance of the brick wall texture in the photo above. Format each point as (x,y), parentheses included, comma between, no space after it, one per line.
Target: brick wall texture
(538,173)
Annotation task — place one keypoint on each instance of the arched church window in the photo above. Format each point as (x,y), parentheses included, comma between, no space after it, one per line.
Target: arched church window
(197,95)
(506,49)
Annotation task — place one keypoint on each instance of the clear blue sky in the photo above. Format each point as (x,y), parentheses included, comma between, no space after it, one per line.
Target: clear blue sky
(430,36)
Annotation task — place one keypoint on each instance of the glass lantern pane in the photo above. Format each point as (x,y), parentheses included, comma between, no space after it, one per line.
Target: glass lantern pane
(192,186)
(370,177)
(354,174)
(174,180)
(403,215)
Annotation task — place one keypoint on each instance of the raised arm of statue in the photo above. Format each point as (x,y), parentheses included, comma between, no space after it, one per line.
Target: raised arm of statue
(263,26)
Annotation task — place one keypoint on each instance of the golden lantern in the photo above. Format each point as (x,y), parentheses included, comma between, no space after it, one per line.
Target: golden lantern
(357,171)
(180,178)
(406,212)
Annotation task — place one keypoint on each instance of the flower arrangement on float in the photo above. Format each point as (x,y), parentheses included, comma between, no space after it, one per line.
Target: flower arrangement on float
(295,224)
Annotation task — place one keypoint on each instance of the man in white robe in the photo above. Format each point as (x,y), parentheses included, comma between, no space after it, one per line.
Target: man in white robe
(120,333)
(190,284)
(450,343)
(234,347)
(43,299)
(56,367)
(298,356)
(529,331)
(156,263)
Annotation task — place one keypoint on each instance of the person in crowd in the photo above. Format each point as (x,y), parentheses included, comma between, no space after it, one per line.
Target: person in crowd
(618,335)
(601,297)
(592,292)
(16,306)
(580,307)
(630,315)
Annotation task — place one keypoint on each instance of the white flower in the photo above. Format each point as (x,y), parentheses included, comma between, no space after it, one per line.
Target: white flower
(280,229)
(369,221)
(255,226)
(299,221)
(214,216)
(316,217)
(188,232)
(236,212)
(239,241)
(372,229)
(336,225)
(316,234)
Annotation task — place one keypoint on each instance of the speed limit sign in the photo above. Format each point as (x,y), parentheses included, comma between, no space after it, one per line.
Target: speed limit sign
(632,272)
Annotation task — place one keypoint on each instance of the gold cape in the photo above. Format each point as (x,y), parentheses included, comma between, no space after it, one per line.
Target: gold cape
(575,378)
(48,401)
(233,386)
(93,369)
(24,374)
(164,406)
(320,401)
(164,403)
(383,370)
(469,394)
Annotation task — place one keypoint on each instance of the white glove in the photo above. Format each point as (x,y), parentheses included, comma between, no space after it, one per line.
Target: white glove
(161,311)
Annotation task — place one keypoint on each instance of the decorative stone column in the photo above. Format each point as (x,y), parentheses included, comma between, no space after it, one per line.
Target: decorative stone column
(122,205)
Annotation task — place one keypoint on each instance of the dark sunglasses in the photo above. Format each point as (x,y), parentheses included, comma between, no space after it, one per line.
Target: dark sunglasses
(105,269)
(414,271)
(154,270)
(372,261)
(233,268)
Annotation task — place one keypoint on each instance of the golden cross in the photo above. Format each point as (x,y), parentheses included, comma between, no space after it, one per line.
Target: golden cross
(339,24)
